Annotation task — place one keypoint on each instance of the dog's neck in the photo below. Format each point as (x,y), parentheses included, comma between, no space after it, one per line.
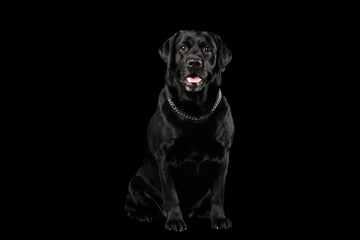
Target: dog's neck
(195,103)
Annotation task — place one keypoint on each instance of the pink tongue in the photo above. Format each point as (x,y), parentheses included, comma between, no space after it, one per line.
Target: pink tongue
(193,79)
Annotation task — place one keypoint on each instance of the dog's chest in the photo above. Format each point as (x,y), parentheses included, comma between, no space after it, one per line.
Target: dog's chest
(194,147)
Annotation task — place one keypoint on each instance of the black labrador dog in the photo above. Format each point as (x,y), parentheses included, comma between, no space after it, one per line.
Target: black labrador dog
(188,137)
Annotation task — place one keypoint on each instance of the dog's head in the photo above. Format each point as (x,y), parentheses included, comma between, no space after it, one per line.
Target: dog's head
(195,59)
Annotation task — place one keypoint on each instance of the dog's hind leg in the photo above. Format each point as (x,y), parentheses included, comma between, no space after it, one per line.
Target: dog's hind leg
(141,204)
(201,208)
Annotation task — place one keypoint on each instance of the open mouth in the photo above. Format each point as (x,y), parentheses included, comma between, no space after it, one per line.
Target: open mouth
(193,79)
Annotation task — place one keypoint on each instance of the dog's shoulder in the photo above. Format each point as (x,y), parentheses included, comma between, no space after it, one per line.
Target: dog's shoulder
(225,129)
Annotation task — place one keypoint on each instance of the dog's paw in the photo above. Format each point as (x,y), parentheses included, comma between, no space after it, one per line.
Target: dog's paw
(140,217)
(175,225)
(221,223)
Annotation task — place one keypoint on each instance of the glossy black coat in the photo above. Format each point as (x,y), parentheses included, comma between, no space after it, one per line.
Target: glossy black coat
(186,161)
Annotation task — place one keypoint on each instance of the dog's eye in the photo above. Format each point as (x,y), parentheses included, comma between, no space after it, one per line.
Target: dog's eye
(208,49)
(182,48)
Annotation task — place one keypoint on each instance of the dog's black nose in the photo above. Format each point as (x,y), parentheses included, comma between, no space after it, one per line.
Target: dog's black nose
(194,62)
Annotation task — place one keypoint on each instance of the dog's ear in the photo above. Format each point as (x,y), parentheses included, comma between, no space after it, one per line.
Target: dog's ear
(223,54)
(167,49)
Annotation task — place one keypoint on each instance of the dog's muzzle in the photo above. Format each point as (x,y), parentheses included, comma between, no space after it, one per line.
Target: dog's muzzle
(193,83)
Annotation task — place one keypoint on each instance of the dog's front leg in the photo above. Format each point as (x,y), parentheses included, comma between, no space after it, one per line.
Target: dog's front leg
(217,214)
(175,219)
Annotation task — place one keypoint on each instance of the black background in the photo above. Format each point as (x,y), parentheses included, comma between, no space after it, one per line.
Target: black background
(108,76)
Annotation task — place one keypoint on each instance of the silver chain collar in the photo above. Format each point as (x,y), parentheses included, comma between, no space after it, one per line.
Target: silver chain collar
(202,117)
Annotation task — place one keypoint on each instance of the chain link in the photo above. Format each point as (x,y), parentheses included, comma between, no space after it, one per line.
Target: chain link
(193,118)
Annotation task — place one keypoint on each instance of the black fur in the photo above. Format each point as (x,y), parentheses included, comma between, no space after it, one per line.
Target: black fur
(186,161)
